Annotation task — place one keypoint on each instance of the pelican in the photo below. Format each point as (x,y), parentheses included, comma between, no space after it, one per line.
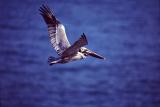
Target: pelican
(60,43)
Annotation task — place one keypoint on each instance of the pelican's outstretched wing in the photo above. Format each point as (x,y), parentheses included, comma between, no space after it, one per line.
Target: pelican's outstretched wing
(56,30)
(73,49)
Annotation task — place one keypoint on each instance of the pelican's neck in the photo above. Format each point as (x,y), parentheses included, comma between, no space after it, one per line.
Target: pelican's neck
(82,55)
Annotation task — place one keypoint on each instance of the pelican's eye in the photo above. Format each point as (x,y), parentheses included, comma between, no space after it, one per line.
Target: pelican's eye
(85,54)
(80,50)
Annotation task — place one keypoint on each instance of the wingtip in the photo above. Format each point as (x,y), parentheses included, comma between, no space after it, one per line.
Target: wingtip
(83,36)
(44,5)
(45,9)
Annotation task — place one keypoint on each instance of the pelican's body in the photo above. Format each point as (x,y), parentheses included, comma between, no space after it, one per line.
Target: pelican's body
(60,42)
(67,59)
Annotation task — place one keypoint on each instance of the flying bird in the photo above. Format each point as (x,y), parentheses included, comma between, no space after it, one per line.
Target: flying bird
(60,43)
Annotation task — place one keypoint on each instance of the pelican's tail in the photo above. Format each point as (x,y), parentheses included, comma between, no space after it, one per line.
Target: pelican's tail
(52,60)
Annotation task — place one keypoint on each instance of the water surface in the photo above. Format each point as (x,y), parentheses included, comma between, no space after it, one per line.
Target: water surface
(125,31)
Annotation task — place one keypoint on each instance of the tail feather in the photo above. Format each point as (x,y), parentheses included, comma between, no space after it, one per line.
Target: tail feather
(51,59)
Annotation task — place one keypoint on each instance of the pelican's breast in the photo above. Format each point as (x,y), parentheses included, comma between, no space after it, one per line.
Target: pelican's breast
(78,56)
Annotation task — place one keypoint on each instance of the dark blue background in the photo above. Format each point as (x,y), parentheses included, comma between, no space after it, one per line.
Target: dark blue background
(125,31)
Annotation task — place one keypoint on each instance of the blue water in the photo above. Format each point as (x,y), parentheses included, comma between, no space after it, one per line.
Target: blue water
(126,32)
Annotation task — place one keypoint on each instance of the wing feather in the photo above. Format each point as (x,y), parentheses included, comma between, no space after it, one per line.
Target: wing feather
(73,49)
(56,30)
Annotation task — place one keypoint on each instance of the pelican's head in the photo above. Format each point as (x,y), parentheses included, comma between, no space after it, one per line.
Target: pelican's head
(88,52)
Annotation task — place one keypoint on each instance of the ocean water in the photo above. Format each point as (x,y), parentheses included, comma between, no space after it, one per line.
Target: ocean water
(126,32)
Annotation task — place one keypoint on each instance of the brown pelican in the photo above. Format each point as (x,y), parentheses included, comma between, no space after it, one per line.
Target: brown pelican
(60,42)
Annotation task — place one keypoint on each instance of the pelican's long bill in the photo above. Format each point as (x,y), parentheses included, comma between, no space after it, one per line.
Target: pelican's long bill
(93,54)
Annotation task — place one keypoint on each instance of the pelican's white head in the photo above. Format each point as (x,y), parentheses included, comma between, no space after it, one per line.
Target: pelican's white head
(87,52)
